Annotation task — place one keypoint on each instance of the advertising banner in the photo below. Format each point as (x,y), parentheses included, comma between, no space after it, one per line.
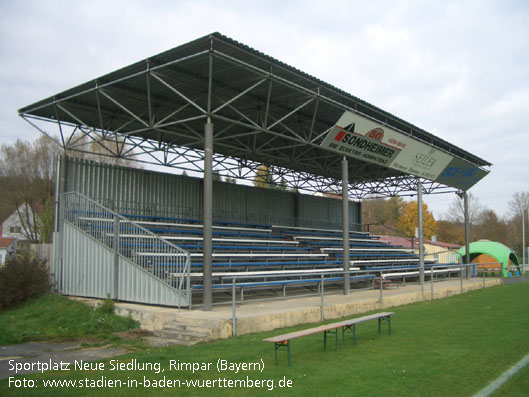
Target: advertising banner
(362,138)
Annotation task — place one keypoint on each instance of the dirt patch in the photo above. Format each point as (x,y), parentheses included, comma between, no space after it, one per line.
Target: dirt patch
(28,356)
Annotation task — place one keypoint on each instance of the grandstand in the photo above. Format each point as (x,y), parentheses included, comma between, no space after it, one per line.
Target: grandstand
(215,104)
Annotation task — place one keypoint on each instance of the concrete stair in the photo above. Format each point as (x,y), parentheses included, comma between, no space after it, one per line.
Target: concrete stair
(186,332)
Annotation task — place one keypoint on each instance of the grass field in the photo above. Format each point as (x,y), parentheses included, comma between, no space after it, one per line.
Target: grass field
(449,347)
(517,386)
(55,317)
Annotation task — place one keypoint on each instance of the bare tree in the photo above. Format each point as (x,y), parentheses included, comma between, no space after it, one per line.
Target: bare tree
(108,151)
(519,203)
(456,210)
(27,180)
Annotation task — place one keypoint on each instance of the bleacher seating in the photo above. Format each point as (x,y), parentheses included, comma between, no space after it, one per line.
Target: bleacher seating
(267,256)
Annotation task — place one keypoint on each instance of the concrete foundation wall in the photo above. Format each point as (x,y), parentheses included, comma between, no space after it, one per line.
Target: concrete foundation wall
(265,316)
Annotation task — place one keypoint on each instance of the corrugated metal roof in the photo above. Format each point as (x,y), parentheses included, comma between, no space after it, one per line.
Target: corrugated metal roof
(264,110)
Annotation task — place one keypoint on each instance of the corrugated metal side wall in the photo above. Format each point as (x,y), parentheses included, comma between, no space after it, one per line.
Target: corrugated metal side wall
(88,271)
(180,195)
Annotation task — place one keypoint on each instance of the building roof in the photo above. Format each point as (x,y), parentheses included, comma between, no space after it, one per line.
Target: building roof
(263,110)
(6,242)
(405,242)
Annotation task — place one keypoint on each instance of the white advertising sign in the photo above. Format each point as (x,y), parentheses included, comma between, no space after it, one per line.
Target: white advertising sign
(359,137)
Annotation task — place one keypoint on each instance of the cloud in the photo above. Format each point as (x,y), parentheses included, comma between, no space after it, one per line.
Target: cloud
(460,70)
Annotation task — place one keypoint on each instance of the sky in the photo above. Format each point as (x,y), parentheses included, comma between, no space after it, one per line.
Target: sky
(458,69)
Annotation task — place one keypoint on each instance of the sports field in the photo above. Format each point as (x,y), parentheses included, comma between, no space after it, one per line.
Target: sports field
(447,347)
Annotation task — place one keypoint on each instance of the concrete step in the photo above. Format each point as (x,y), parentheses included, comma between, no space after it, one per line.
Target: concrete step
(156,341)
(183,333)
(193,321)
(215,328)
(187,335)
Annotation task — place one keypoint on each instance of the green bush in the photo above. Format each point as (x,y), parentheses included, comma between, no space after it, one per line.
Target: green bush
(22,278)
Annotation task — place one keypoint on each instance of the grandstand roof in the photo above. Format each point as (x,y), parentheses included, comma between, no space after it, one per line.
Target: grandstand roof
(264,112)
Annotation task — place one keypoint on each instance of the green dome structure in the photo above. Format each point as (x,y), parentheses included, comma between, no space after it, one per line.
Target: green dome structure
(485,251)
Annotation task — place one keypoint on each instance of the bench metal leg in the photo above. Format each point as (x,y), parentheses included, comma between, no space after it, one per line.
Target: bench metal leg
(335,334)
(388,319)
(279,345)
(351,327)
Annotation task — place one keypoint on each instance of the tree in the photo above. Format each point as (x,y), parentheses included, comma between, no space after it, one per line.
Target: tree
(27,179)
(263,178)
(215,174)
(456,210)
(384,212)
(491,228)
(519,205)
(108,151)
(409,220)
(450,232)
(45,223)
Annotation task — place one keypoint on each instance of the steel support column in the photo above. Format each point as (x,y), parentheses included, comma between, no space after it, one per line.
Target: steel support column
(207,299)
(467,230)
(421,236)
(523,236)
(345,224)
(59,262)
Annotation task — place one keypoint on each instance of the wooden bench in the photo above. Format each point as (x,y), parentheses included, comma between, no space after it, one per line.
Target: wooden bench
(282,341)
(386,283)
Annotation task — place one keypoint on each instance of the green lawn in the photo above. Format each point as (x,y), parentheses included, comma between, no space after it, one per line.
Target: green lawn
(55,317)
(518,385)
(449,347)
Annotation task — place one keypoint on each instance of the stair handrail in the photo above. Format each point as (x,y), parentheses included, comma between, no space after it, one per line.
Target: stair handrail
(100,229)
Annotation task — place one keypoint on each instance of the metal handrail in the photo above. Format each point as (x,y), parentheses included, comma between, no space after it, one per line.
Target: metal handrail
(455,266)
(161,258)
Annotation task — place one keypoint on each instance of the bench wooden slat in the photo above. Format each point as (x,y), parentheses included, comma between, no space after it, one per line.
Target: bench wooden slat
(347,323)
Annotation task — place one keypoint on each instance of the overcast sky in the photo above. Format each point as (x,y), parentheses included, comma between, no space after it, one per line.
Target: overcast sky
(458,69)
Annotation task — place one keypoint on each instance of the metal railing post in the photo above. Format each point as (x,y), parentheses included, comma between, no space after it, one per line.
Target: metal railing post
(461,278)
(233,308)
(116,257)
(381,285)
(431,280)
(322,309)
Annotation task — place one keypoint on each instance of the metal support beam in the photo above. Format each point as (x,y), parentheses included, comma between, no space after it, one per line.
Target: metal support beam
(116,257)
(60,224)
(345,224)
(467,229)
(421,236)
(523,236)
(208,216)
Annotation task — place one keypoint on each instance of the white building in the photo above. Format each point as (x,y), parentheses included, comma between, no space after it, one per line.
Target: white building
(17,225)
(6,245)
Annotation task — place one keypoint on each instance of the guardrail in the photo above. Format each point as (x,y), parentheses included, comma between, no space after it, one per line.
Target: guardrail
(464,271)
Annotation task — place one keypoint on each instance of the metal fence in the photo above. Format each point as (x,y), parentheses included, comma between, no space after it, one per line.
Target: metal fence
(166,262)
(378,282)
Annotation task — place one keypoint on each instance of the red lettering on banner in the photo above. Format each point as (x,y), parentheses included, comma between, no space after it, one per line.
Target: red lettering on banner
(376,133)
(339,136)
